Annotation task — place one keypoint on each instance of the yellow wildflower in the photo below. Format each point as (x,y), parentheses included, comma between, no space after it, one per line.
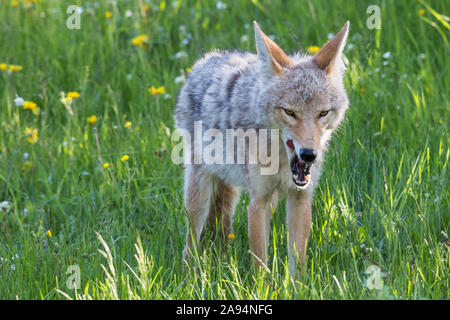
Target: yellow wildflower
(70,95)
(3,66)
(36,111)
(422,12)
(49,233)
(73,94)
(125,158)
(154,91)
(231,236)
(27,166)
(31,135)
(139,40)
(313,49)
(189,70)
(147,8)
(108,14)
(127,124)
(14,68)
(92,119)
(30,105)
(15,3)
(106,165)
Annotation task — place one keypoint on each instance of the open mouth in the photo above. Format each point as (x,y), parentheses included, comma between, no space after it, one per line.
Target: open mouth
(301,172)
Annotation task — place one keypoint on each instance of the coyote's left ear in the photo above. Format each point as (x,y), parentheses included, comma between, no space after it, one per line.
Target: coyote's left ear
(272,58)
(331,53)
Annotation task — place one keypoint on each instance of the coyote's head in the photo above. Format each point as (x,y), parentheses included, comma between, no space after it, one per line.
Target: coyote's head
(304,97)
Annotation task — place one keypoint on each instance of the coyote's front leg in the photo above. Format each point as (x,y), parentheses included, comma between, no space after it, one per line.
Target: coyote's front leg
(298,209)
(259,216)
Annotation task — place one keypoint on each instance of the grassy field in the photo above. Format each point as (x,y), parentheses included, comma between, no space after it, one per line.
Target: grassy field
(102,196)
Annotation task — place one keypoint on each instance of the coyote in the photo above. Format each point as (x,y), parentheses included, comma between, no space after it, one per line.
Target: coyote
(302,97)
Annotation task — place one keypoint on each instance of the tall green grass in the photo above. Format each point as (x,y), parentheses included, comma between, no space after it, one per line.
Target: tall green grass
(383,199)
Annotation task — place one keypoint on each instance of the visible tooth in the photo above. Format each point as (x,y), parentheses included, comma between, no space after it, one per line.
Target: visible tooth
(307,168)
(295,176)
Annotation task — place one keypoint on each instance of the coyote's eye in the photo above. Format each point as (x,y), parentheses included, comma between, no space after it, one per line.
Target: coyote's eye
(323,113)
(290,113)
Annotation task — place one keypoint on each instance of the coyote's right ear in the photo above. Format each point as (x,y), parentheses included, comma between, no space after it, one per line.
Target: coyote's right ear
(272,58)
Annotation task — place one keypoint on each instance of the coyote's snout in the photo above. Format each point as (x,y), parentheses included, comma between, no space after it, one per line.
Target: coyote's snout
(302,97)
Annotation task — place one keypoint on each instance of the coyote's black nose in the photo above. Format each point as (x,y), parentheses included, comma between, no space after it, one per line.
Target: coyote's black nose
(308,155)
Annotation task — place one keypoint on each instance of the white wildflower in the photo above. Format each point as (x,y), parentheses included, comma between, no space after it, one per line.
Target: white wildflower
(221,5)
(4,206)
(180,79)
(18,101)
(181,54)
